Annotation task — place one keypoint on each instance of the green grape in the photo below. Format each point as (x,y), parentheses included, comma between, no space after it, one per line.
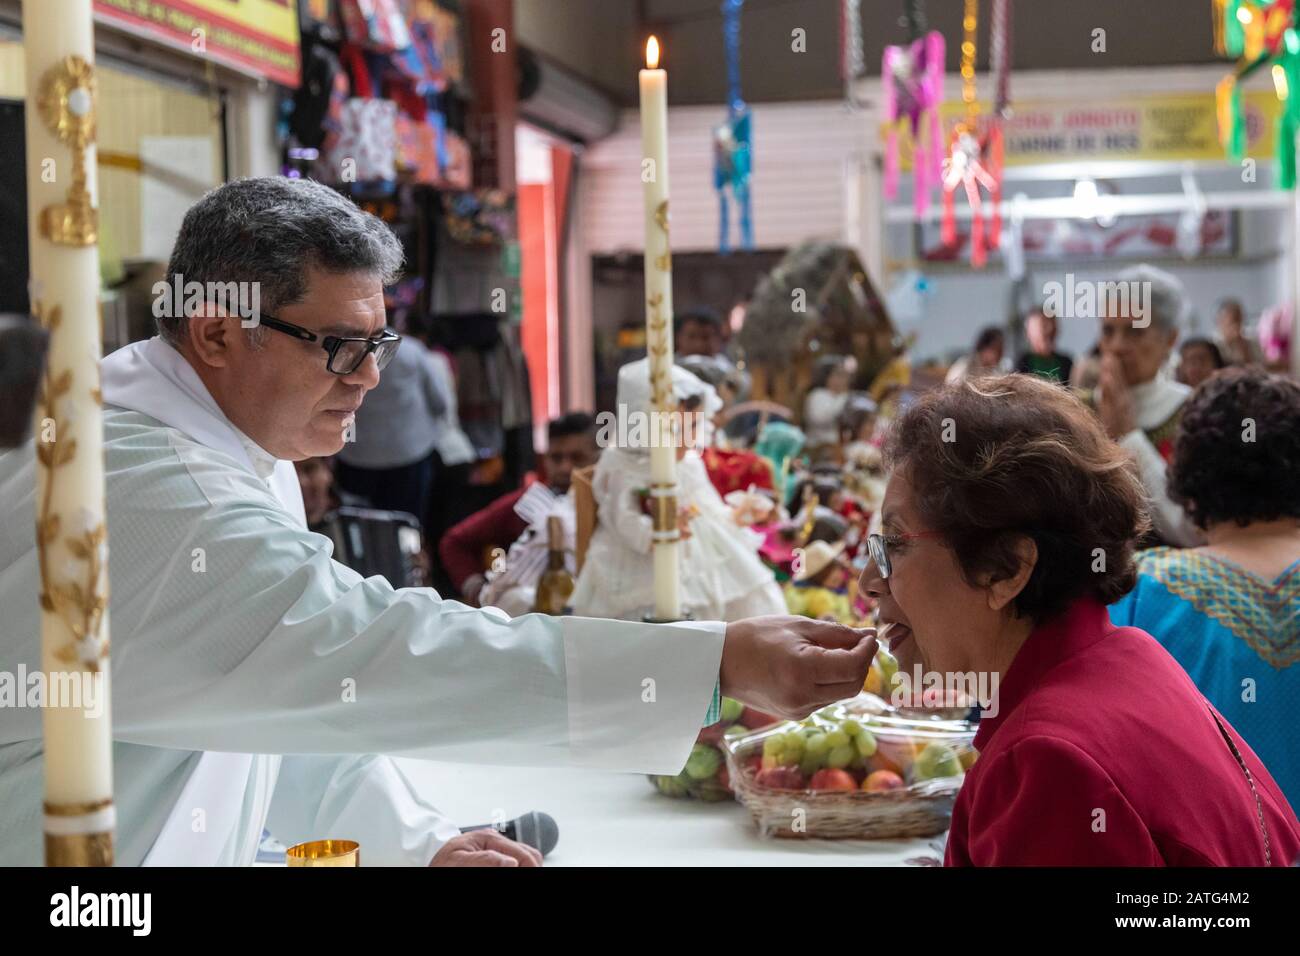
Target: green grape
(773,745)
(809,765)
(731,710)
(712,794)
(672,786)
(816,745)
(888,666)
(793,745)
(851,726)
(837,738)
(937,760)
(866,743)
(839,757)
(703,762)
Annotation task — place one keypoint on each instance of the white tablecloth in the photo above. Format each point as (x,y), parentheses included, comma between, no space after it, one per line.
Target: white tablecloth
(609,819)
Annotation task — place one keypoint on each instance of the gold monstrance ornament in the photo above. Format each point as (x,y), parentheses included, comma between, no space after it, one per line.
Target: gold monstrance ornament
(66,102)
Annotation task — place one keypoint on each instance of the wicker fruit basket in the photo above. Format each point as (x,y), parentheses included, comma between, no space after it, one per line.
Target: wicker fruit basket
(856,770)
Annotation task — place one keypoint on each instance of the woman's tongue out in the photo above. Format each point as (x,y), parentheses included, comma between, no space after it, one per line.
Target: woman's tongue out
(898,637)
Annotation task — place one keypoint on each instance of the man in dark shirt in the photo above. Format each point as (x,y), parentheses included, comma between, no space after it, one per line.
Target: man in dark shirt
(1042,357)
(571,444)
(697,331)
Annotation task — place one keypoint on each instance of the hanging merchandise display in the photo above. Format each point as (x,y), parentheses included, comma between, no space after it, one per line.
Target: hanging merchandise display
(377,25)
(396,113)
(365,147)
(968,164)
(316,108)
(482,218)
(428,152)
(912,91)
(1259,33)
(733,141)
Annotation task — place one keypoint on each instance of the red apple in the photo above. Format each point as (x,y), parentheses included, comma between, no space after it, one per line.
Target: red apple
(880,780)
(832,779)
(712,734)
(780,778)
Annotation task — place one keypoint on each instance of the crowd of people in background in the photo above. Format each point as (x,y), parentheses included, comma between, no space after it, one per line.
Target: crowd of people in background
(409,453)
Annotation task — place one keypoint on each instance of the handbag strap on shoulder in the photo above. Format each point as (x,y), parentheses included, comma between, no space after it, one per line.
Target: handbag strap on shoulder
(1250,780)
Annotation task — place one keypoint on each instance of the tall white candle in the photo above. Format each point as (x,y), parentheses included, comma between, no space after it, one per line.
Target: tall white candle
(58,43)
(659,333)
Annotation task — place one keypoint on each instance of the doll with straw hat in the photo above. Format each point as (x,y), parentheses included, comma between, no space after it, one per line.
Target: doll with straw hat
(820,585)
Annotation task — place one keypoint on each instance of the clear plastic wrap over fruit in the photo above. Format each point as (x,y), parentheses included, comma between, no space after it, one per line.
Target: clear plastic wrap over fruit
(858,744)
(705,776)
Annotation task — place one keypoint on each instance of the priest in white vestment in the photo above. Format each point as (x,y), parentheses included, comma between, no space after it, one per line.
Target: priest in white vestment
(257,682)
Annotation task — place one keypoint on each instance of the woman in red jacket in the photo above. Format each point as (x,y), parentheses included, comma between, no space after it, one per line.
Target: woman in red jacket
(1009,524)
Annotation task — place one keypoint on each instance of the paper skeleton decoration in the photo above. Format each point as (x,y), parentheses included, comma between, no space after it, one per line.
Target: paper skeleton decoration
(733,140)
(972,166)
(732,165)
(975,161)
(913,91)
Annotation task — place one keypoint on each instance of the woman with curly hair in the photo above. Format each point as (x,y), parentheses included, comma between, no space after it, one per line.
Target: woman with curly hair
(1009,523)
(1229,611)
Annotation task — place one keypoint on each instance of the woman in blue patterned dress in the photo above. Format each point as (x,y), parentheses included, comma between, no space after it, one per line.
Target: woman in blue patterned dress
(1229,611)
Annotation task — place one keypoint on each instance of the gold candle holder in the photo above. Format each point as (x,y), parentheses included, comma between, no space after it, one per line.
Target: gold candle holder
(324,853)
(663,511)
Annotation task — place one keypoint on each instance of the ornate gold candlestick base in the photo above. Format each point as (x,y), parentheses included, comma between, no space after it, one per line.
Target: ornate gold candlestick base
(79,834)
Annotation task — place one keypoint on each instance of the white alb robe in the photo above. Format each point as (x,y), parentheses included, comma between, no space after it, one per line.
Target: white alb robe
(236,638)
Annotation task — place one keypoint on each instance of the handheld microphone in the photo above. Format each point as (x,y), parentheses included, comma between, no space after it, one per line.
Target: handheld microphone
(535,829)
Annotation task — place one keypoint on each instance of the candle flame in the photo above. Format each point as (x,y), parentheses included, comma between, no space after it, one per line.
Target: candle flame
(652,54)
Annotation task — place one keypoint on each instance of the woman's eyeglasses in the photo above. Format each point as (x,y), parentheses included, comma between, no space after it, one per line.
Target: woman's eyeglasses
(878,546)
(346,352)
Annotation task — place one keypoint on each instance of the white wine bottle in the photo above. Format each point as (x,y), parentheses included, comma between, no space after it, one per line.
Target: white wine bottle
(556,584)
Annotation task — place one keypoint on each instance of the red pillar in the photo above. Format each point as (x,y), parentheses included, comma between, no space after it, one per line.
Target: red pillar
(494,108)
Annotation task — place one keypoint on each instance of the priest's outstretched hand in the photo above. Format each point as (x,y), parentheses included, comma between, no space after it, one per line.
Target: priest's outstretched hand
(792,665)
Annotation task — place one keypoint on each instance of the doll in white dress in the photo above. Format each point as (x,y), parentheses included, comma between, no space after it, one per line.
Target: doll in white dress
(826,401)
(722,578)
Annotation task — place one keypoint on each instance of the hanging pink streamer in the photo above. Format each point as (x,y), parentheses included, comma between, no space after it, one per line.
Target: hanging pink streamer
(935,50)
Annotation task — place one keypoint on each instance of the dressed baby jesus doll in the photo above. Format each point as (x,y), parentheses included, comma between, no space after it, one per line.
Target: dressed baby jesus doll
(722,578)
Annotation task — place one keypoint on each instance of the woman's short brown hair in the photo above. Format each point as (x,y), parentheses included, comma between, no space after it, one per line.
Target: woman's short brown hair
(1005,456)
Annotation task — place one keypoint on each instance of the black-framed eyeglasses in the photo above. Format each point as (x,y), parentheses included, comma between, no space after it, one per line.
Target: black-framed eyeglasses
(346,352)
(878,546)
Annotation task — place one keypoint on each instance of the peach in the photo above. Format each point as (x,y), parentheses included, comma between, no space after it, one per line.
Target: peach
(879,781)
